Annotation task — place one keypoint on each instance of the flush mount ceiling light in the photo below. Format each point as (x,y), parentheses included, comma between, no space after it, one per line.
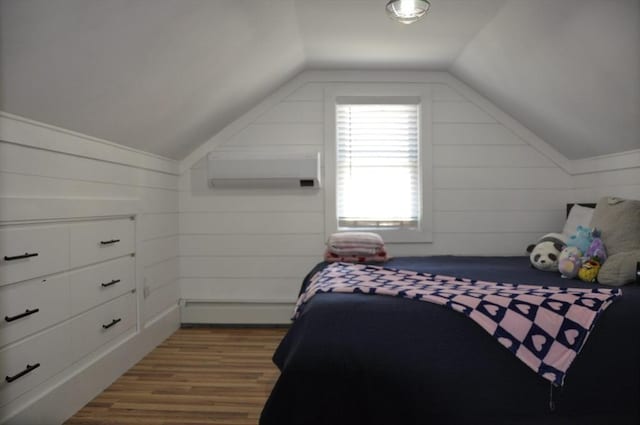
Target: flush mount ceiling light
(407,11)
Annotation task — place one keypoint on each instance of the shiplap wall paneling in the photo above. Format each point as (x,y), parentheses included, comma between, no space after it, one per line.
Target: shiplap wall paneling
(493,192)
(502,244)
(243,289)
(500,178)
(250,247)
(623,183)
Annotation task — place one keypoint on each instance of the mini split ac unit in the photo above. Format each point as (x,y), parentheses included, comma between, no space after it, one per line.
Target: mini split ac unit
(263,170)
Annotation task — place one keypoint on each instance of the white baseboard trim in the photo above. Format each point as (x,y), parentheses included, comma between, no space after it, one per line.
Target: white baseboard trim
(72,393)
(211,312)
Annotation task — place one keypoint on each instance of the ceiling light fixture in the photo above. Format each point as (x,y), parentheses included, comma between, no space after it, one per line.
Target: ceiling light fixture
(407,11)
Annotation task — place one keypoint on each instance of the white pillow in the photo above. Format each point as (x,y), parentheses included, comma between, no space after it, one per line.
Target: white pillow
(578,216)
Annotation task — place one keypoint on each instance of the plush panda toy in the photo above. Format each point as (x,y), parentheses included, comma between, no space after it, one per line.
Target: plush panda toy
(545,254)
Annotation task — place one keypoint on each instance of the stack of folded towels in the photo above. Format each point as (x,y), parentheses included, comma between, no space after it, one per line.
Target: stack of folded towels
(355,247)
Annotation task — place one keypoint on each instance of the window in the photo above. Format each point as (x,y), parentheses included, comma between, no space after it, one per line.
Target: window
(378,154)
(378,166)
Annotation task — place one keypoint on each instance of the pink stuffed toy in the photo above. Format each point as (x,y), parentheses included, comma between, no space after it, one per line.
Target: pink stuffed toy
(570,262)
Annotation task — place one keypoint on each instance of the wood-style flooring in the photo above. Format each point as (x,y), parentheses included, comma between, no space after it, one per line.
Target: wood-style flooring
(197,376)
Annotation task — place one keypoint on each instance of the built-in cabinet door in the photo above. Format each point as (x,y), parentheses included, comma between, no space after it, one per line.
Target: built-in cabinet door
(102,240)
(33,360)
(94,285)
(27,307)
(100,325)
(28,252)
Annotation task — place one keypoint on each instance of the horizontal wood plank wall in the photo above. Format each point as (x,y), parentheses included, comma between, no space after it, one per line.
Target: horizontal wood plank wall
(40,176)
(493,195)
(590,187)
(493,192)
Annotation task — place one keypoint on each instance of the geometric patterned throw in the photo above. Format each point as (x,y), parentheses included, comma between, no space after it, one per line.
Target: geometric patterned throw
(545,327)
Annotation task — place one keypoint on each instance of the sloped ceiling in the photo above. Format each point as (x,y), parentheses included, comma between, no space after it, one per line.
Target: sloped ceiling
(166,75)
(158,75)
(569,70)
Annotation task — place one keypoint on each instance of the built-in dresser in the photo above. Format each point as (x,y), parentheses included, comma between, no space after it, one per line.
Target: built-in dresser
(67,291)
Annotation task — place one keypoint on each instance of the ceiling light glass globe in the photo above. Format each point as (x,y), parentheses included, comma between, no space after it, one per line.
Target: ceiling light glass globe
(407,11)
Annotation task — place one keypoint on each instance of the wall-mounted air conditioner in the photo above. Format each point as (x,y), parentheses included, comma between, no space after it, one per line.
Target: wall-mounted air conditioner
(263,170)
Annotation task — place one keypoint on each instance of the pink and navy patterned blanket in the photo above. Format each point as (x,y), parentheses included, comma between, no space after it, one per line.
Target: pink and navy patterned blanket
(545,327)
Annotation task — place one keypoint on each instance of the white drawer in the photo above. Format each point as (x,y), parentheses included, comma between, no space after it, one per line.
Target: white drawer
(27,307)
(102,282)
(100,325)
(97,241)
(33,361)
(32,251)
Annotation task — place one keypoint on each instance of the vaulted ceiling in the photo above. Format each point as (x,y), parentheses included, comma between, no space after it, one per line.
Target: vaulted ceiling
(166,75)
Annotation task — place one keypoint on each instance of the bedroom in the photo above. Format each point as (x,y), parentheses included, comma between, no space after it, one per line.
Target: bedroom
(110,108)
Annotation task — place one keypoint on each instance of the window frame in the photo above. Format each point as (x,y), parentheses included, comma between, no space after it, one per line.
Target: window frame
(378,93)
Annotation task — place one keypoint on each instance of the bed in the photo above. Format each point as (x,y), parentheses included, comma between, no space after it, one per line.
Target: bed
(370,359)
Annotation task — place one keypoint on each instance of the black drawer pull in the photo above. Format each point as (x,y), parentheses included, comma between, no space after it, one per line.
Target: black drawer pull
(20,257)
(113,282)
(21,315)
(112,241)
(113,322)
(21,374)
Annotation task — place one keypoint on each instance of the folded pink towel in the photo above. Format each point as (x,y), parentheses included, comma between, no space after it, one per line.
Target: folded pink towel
(355,243)
(368,238)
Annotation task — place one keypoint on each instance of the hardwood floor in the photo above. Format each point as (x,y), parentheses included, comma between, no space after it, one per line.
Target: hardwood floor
(197,376)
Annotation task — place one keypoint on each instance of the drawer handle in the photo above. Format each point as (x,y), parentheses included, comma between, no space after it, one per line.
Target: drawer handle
(113,322)
(112,241)
(113,282)
(20,257)
(21,315)
(21,374)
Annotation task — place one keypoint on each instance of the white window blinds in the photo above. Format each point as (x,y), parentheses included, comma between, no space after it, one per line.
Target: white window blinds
(378,170)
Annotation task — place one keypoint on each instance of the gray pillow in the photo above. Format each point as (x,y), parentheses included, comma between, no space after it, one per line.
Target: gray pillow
(619,221)
(619,269)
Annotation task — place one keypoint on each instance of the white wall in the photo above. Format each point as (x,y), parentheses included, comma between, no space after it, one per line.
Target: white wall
(496,188)
(609,175)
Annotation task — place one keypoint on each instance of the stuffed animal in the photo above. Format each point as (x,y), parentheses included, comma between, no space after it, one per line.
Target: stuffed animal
(570,262)
(570,251)
(619,221)
(597,250)
(544,254)
(589,271)
(581,239)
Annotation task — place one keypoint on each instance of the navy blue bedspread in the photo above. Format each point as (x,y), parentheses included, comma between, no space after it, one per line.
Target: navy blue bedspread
(366,359)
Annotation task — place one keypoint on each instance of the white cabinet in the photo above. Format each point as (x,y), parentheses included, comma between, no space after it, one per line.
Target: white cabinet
(31,306)
(31,251)
(34,360)
(100,325)
(101,240)
(101,282)
(67,290)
